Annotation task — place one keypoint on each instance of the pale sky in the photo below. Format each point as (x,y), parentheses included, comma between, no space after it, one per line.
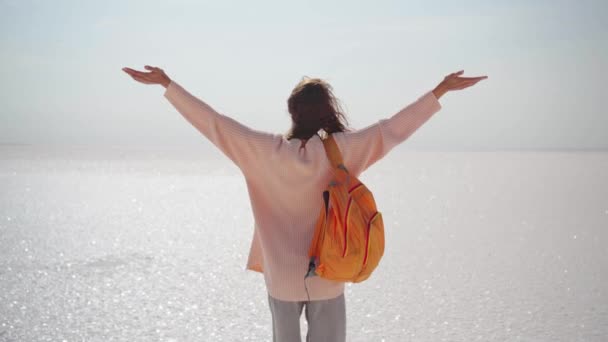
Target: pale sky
(547,63)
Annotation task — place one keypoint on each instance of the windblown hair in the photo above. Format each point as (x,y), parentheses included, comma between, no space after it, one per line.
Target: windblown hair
(313,107)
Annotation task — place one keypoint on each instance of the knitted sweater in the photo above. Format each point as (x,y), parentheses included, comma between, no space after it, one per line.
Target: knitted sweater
(285,183)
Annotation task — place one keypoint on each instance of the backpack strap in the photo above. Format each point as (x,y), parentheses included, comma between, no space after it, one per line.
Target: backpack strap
(332,151)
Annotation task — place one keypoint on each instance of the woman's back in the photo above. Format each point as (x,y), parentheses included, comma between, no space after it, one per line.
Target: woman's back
(285,183)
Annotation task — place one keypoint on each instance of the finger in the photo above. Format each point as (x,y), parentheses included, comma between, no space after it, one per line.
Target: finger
(468,84)
(140,73)
(140,77)
(462,84)
(133,71)
(454,74)
(142,80)
(472,78)
(470,81)
(129,71)
(149,67)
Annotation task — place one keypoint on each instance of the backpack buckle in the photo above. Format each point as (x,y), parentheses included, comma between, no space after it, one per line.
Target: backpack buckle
(311,268)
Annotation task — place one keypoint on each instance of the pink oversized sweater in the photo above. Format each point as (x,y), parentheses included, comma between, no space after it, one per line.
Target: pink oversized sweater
(285,183)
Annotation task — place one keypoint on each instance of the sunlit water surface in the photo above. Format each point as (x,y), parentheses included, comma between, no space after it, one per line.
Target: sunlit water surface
(112,245)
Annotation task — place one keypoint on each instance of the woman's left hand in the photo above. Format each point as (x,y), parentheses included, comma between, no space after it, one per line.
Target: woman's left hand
(155,76)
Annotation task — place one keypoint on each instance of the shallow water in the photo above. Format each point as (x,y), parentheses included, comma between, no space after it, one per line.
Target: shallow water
(110,245)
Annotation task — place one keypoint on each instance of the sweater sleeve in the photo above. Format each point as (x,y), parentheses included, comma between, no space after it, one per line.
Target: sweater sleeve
(364,147)
(242,144)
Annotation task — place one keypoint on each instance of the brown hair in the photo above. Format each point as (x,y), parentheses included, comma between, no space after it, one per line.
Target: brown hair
(313,107)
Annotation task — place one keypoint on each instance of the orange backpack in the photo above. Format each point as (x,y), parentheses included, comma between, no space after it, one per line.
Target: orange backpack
(349,235)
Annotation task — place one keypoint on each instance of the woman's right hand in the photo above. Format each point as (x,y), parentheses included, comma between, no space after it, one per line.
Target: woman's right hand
(155,76)
(453,81)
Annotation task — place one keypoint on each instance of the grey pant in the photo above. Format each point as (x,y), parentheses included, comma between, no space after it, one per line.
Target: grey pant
(326,320)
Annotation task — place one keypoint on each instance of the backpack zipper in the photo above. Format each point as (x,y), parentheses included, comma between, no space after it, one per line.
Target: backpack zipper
(350,199)
(369,224)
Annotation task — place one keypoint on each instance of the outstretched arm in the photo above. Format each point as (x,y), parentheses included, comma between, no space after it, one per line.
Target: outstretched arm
(366,146)
(243,145)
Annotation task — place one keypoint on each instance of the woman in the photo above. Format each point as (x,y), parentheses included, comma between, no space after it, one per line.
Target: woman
(285,177)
